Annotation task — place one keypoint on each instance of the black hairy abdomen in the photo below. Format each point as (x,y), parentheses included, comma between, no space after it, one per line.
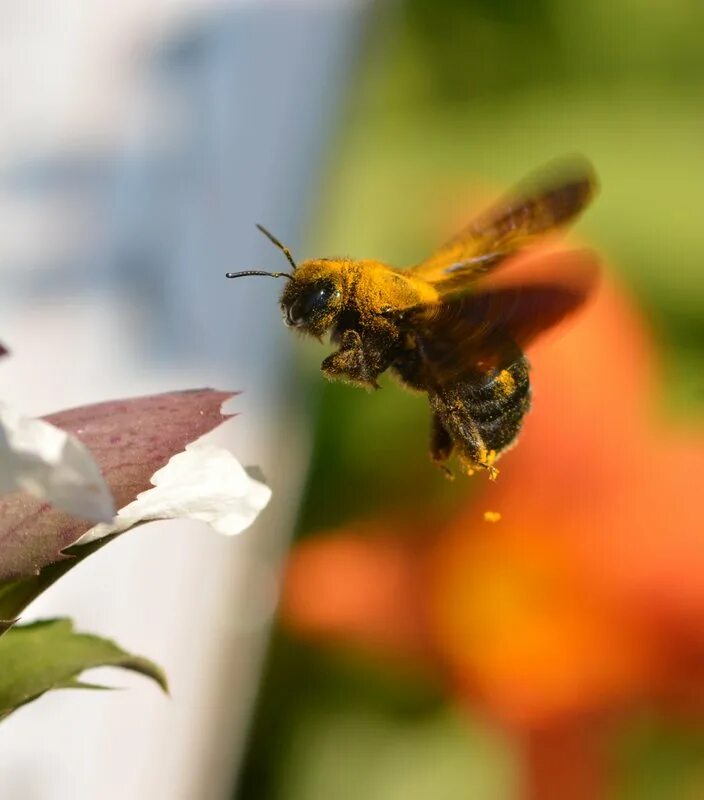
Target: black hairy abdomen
(497,412)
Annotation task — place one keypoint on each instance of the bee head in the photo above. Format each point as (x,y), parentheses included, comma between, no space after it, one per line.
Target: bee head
(312,298)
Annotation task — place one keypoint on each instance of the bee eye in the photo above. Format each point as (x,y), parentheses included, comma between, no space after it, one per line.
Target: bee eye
(309,303)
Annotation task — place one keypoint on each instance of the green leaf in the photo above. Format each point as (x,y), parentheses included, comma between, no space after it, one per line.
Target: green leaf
(49,654)
(6,624)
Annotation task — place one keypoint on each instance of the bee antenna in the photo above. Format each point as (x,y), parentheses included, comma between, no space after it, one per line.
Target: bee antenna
(277,243)
(258,272)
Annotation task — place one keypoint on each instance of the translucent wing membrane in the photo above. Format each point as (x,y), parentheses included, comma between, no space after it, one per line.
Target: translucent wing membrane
(547,201)
(504,313)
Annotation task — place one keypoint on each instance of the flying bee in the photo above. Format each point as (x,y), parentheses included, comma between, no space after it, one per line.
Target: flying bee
(455,325)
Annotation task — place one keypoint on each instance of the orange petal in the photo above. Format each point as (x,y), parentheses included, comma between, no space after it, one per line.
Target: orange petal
(568,761)
(592,397)
(523,628)
(360,588)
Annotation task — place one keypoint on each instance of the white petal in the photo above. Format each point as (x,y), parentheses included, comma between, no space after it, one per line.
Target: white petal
(204,482)
(39,458)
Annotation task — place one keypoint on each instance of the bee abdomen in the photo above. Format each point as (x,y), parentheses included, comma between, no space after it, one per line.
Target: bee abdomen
(498,405)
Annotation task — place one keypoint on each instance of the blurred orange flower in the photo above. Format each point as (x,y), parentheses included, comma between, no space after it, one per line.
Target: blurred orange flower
(585,599)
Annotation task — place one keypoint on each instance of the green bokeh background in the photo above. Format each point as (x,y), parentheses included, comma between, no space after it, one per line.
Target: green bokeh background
(451,95)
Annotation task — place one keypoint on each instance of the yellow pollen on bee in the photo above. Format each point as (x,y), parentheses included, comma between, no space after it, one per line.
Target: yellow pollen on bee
(507,385)
(492,516)
(485,460)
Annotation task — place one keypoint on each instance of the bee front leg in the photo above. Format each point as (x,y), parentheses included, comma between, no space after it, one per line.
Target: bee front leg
(351,363)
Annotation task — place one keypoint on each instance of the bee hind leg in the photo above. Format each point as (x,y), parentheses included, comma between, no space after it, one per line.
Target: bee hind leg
(441,445)
(464,431)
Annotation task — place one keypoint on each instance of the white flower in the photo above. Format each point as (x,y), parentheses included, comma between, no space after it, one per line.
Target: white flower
(204,482)
(39,458)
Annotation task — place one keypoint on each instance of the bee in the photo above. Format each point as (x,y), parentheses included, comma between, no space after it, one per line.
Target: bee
(456,325)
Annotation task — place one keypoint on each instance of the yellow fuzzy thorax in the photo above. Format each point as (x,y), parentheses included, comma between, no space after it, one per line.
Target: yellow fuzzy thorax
(370,286)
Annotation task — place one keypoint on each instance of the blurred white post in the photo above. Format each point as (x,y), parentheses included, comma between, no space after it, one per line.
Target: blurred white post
(140,144)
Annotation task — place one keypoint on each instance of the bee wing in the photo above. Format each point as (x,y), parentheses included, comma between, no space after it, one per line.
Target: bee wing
(547,200)
(503,314)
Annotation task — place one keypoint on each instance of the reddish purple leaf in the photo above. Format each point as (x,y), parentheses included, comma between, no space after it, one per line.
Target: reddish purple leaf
(3,350)
(130,440)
